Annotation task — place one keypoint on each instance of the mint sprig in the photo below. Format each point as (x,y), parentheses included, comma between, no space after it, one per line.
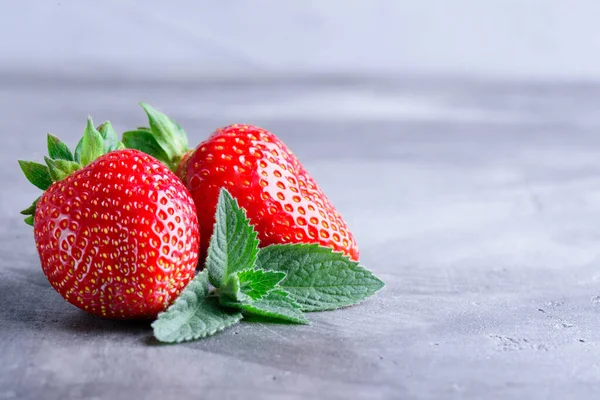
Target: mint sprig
(278,282)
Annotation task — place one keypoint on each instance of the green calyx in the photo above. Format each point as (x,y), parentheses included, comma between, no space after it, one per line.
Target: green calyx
(61,162)
(165,140)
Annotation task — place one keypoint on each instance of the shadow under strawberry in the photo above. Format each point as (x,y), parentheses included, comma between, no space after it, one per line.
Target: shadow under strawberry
(83,323)
(29,302)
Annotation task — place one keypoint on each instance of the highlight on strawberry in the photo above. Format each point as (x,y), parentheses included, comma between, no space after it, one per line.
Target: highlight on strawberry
(116,230)
(281,199)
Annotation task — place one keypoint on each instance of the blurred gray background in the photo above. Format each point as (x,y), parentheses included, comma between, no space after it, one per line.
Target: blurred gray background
(519,38)
(459,139)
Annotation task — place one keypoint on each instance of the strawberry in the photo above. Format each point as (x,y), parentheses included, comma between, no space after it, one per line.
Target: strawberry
(280,197)
(116,231)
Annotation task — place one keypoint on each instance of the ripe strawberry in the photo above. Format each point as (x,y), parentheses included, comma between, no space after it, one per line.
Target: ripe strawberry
(117,233)
(281,199)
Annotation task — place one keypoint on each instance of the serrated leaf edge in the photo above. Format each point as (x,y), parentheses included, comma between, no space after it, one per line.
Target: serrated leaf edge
(302,301)
(213,332)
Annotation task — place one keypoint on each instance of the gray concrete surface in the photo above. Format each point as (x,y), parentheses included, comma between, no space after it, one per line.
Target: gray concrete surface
(477,202)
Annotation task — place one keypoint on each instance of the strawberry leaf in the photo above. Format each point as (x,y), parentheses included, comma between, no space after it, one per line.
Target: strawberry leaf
(31,209)
(317,278)
(37,174)
(58,150)
(92,145)
(60,169)
(193,315)
(104,134)
(169,136)
(77,152)
(233,246)
(143,140)
(29,220)
(109,136)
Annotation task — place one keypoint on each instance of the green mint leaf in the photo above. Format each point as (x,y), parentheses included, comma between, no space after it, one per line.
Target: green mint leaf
(193,315)
(29,220)
(233,246)
(111,141)
(168,134)
(92,145)
(60,169)
(230,292)
(318,278)
(143,140)
(57,149)
(256,283)
(255,292)
(31,209)
(276,304)
(248,285)
(37,174)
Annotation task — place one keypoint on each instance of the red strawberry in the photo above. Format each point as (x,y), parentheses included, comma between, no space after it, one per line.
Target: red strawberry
(117,234)
(281,199)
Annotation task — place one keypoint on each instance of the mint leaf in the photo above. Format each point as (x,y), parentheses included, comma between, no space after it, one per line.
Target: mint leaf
(92,144)
(277,304)
(230,291)
(193,315)
(37,174)
(256,283)
(247,286)
(317,278)
(233,245)
(57,149)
